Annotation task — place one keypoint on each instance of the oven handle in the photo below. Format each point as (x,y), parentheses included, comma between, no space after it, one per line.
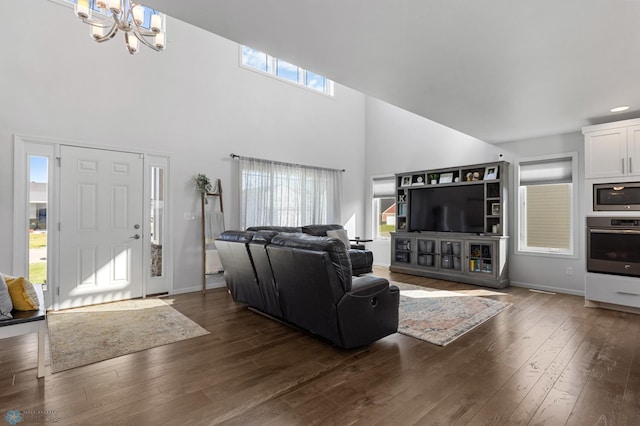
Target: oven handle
(613,231)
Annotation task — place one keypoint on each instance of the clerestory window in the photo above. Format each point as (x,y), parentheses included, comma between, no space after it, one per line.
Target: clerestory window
(257,60)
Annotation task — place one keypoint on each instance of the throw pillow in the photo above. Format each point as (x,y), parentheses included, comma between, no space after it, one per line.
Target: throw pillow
(23,295)
(340,234)
(5,301)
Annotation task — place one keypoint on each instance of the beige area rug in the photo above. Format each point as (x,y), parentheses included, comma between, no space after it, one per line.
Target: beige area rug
(441,316)
(82,336)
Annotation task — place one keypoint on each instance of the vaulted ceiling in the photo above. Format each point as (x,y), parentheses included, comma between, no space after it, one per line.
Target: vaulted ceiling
(498,70)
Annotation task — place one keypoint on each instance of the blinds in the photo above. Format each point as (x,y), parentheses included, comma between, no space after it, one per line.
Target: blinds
(548,222)
(542,172)
(384,187)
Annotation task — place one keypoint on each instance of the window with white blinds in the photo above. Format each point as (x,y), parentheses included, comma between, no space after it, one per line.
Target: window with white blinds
(546,203)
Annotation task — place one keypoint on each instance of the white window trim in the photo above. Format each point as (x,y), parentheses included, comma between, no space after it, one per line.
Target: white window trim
(575,236)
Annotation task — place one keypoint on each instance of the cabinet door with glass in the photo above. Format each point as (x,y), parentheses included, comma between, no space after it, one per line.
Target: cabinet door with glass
(402,250)
(482,257)
(427,252)
(451,255)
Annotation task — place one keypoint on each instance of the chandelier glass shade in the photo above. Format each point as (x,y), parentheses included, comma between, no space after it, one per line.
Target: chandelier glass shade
(139,24)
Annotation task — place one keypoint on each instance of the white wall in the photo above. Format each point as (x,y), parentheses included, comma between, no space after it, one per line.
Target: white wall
(549,272)
(191,101)
(399,141)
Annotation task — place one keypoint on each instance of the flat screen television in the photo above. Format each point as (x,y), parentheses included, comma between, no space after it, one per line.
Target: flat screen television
(447,209)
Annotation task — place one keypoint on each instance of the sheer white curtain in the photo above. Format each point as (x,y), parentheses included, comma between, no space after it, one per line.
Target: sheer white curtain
(281,194)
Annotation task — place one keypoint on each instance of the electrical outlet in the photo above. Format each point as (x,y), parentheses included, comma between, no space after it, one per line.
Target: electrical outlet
(569,270)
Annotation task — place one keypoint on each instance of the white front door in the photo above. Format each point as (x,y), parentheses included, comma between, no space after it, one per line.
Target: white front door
(101,213)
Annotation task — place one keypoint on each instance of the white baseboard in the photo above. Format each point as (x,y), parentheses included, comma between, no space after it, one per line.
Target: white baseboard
(213,281)
(547,288)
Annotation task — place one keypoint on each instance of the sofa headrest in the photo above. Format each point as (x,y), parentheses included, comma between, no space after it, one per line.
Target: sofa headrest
(320,230)
(307,242)
(263,237)
(275,228)
(236,236)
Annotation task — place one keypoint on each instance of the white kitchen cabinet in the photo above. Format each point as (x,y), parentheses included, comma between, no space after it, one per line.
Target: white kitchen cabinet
(612,150)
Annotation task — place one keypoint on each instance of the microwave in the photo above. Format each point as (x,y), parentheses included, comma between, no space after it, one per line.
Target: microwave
(624,196)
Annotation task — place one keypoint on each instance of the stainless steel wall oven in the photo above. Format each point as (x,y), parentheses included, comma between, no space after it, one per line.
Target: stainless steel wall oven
(613,245)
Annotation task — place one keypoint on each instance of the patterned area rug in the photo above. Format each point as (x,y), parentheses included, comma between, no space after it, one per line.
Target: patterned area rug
(441,316)
(82,336)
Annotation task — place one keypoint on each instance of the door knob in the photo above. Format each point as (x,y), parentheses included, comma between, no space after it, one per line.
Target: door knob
(135,237)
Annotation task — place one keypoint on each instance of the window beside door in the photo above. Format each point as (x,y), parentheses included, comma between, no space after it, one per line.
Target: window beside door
(38,184)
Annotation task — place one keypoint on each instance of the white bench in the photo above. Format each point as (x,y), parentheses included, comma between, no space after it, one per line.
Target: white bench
(25,322)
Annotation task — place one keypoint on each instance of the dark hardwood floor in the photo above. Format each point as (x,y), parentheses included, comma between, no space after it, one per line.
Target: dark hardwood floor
(546,360)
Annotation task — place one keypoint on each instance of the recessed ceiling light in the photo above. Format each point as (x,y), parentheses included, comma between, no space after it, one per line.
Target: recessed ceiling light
(619,109)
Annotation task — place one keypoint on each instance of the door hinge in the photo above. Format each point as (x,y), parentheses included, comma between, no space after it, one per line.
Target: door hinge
(59,227)
(58,291)
(59,161)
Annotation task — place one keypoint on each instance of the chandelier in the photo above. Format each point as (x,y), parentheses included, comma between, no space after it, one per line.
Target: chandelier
(139,24)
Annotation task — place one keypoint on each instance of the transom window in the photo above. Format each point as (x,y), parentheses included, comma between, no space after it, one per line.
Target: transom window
(260,61)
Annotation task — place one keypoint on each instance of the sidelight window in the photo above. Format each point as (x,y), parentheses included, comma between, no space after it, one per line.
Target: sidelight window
(38,184)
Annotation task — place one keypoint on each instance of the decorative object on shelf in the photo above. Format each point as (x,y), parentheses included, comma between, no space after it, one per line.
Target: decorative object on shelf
(446,177)
(140,24)
(406,181)
(473,175)
(495,209)
(491,173)
(203,183)
(433,178)
(418,180)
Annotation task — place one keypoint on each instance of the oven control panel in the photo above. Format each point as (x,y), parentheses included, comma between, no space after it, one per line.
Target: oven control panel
(625,222)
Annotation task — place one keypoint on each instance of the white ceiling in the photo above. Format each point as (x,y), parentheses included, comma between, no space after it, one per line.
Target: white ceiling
(498,70)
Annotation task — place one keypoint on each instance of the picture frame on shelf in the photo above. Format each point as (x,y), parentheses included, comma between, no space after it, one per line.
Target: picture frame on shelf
(491,173)
(406,181)
(496,209)
(446,177)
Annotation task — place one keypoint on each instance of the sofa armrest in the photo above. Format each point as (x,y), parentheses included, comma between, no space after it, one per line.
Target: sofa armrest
(368,312)
(368,285)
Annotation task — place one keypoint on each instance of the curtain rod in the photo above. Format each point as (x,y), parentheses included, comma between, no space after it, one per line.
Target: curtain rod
(232,155)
